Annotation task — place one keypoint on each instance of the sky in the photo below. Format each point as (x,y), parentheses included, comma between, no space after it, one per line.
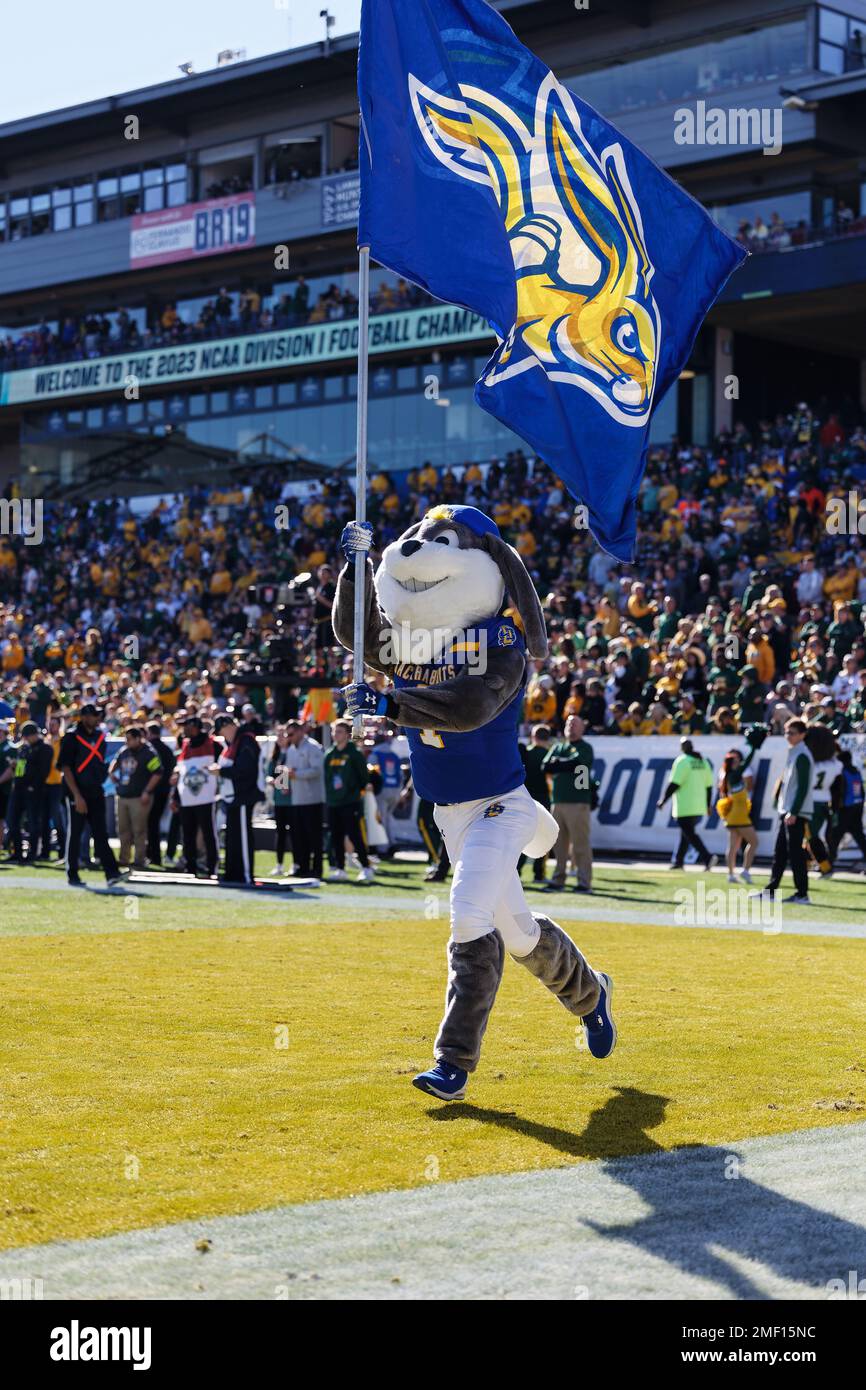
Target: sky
(58,53)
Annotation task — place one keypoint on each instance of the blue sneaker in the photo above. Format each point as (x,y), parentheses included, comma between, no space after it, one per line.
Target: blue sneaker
(599,1025)
(444,1080)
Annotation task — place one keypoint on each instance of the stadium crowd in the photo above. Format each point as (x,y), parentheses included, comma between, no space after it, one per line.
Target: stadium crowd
(76,338)
(749,608)
(777,235)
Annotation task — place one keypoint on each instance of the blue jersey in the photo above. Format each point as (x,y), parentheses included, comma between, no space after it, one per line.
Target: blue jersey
(389,766)
(450,767)
(853,793)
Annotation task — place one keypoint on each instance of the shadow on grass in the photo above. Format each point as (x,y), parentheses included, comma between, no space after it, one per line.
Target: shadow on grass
(619,1127)
(700,1212)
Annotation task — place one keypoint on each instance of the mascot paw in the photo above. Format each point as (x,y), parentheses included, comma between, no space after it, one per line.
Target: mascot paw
(356,539)
(363,699)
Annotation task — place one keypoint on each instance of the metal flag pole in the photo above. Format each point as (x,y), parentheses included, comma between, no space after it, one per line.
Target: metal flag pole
(361,467)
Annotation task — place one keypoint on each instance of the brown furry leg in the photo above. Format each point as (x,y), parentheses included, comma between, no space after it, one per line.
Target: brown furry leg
(558,964)
(474,971)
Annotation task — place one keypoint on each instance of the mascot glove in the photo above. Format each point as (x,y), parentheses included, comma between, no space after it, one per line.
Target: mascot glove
(363,699)
(356,539)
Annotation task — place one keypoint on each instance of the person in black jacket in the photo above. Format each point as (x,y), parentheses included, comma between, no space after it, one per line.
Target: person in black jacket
(160,795)
(238,766)
(32,767)
(82,763)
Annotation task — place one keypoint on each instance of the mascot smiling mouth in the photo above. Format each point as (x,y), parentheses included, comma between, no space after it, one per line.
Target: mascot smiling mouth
(418,586)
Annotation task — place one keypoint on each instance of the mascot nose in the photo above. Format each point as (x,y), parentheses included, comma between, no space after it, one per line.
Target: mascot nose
(409,547)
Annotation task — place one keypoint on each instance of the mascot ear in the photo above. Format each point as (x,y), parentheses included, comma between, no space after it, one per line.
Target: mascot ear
(522,592)
(412,531)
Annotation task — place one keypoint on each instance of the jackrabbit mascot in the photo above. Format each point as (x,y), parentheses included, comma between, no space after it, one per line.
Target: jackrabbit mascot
(436,625)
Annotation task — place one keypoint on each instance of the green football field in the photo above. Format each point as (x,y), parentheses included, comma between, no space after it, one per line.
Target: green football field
(169,1057)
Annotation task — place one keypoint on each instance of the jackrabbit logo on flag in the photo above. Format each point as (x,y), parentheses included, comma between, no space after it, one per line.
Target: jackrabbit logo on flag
(490,184)
(585,310)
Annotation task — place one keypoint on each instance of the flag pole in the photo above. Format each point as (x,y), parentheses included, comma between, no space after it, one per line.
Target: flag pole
(361,467)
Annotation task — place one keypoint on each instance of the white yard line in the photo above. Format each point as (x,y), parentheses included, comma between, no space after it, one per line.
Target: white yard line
(596,908)
(769,1218)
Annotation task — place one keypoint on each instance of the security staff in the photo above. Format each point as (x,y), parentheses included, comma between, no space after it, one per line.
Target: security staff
(32,766)
(239,768)
(82,762)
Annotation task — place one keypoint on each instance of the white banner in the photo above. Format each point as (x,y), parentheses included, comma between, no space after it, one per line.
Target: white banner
(633,773)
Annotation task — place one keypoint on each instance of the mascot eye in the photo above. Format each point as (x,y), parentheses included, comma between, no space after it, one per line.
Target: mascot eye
(446,538)
(625,336)
(442,540)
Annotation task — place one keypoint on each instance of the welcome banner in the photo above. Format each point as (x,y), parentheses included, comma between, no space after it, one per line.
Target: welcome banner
(439,326)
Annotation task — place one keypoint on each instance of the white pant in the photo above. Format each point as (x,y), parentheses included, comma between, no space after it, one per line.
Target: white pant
(484,840)
(387,801)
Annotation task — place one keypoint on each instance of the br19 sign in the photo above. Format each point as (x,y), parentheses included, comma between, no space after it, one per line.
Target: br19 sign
(196,229)
(221,227)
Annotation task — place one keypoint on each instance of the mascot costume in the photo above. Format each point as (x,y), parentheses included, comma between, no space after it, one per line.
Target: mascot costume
(437,625)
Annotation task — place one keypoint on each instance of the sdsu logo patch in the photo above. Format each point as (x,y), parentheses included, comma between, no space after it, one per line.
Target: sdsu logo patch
(506,636)
(495,809)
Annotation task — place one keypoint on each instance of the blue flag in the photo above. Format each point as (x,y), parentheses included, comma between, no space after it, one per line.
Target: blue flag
(490,185)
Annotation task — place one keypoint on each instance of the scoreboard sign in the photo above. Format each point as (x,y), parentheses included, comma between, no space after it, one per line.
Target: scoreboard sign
(196,229)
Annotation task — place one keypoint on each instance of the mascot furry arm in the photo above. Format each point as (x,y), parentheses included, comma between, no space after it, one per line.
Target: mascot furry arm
(444,574)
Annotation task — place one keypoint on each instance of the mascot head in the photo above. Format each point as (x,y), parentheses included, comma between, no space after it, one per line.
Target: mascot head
(452,570)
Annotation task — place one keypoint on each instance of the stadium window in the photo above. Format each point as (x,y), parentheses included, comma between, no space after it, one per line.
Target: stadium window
(134,413)
(841,42)
(407,378)
(286,393)
(294,159)
(131,197)
(19,218)
(226,176)
(219,402)
(94,418)
(61,203)
(175,185)
(197,405)
(333,388)
(107,190)
(2,220)
(155,410)
(154,190)
(40,212)
(830,58)
(832,27)
(83,200)
(264,397)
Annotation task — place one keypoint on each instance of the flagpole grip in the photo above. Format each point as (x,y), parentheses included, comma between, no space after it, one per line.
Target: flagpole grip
(361,468)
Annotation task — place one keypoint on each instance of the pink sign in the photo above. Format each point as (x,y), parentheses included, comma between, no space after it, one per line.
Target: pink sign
(196,229)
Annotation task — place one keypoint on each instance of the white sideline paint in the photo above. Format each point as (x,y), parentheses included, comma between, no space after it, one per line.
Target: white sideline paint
(662,1226)
(593,909)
